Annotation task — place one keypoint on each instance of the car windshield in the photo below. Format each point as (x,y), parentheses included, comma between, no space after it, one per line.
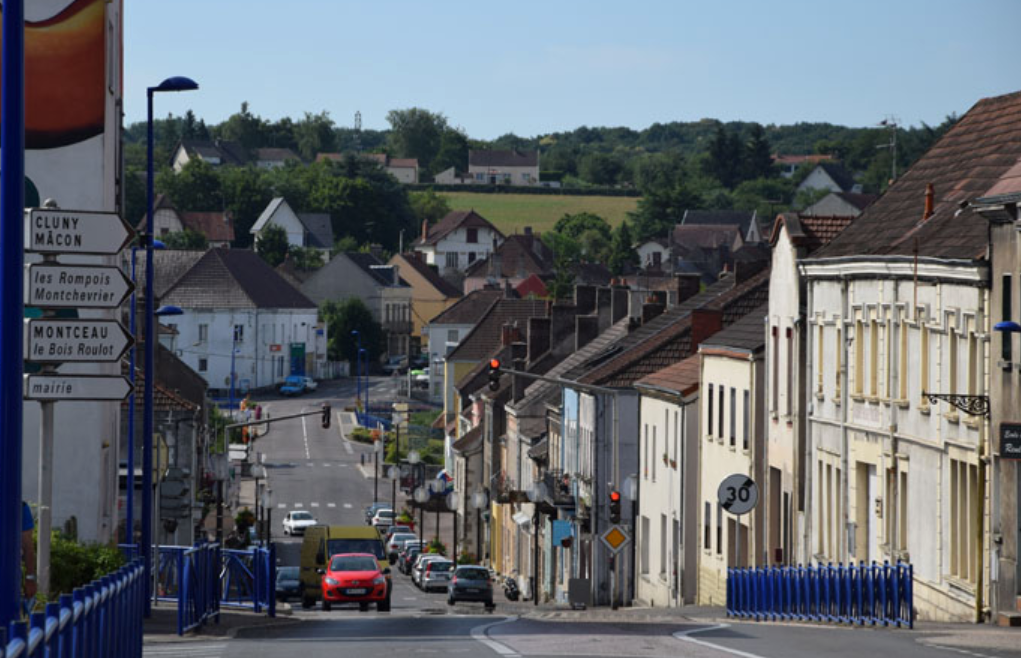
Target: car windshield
(301,516)
(372,546)
(441,566)
(402,537)
(353,563)
(385,514)
(287,573)
(472,574)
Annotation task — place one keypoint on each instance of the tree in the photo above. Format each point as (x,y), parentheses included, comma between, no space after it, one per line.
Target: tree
(341,319)
(428,206)
(566,254)
(314,134)
(758,157)
(453,152)
(346,243)
(186,239)
(195,188)
(600,169)
(244,127)
(305,258)
(272,245)
(623,255)
(573,225)
(416,133)
(246,193)
(659,211)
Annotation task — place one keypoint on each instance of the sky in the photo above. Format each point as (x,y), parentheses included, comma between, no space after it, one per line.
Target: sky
(535,67)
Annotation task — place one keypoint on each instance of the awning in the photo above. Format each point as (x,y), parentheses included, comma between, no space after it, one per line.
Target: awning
(521,518)
(540,450)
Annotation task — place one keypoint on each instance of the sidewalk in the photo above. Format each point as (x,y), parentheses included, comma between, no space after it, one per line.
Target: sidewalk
(161,627)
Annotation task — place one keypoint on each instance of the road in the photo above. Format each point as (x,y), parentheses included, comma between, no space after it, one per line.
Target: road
(316,469)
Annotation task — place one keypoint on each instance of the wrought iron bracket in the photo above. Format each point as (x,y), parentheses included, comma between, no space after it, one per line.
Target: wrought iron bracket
(973,405)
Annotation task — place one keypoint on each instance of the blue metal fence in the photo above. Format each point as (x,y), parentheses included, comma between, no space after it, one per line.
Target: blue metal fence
(101,620)
(248,579)
(854,594)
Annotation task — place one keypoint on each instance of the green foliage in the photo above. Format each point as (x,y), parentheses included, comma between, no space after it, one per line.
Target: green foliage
(314,134)
(623,257)
(436,546)
(73,565)
(464,557)
(186,239)
(416,133)
(566,253)
(425,418)
(196,187)
(662,209)
(305,258)
(360,435)
(600,169)
(244,520)
(346,243)
(246,193)
(272,245)
(428,206)
(344,317)
(453,151)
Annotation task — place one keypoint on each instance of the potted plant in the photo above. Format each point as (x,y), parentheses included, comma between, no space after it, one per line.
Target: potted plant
(406,518)
(436,546)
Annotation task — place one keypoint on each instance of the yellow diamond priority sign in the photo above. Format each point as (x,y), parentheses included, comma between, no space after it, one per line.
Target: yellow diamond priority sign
(615,538)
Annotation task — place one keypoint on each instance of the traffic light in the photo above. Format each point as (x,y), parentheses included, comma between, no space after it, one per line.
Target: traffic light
(614,507)
(326,416)
(494,374)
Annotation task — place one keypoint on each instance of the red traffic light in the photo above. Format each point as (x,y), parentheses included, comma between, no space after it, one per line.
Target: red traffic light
(494,364)
(614,496)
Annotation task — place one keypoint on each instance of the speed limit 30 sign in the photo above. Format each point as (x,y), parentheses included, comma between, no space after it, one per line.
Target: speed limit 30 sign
(738,494)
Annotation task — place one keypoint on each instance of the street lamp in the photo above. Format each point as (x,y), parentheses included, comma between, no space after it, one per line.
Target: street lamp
(479,501)
(129,514)
(421,496)
(259,473)
(177,83)
(363,351)
(267,504)
(537,492)
(233,352)
(377,447)
(632,491)
(358,367)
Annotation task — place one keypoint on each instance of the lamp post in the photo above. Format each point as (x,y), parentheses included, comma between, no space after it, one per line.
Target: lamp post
(267,504)
(358,367)
(170,84)
(129,513)
(233,352)
(421,496)
(363,351)
(479,501)
(536,493)
(632,491)
(259,473)
(377,447)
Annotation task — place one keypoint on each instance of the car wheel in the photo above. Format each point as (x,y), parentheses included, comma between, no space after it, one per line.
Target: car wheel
(384,605)
(327,606)
(363,606)
(450,601)
(307,602)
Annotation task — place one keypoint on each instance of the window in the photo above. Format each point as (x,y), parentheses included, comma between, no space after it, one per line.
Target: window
(709,415)
(1007,346)
(203,333)
(923,359)
(790,370)
(888,359)
(974,364)
(902,372)
(819,359)
(776,370)
(471,257)
(719,529)
(859,357)
(733,416)
(874,358)
(646,542)
(722,389)
(203,365)
(525,177)
(645,463)
(952,376)
(677,435)
(239,333)
(451,335)
(963,520)
(480,177)
(655,455)
(747,419)
(707,517)
(450,259)
(473,235)
(662,545)
(839,358)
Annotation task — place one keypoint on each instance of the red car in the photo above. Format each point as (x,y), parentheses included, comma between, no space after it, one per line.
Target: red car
(355,578)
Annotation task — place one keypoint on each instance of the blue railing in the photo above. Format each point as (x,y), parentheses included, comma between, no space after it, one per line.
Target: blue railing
(372,421)
(101,620)
(248,579)
(854,594)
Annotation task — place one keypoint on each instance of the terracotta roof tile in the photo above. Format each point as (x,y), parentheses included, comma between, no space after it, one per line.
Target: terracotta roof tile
(454,220)
(216,226)
(469,309)
(682,378)
(424,270)
(485,337)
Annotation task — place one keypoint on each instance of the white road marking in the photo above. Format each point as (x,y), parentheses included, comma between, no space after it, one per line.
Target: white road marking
(480,634)
(314,505)
(298,505)
(686,637)
(281,506)
(184,649)
(331,504)
(327,465)
(348,505)
(304,433)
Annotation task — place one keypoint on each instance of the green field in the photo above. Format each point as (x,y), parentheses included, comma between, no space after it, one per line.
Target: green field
(511,213)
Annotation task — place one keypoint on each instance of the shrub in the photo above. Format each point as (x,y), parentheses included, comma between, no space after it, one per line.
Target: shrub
(436,546)
(73,565)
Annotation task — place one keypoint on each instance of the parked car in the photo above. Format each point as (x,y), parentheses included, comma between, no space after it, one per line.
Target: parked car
(288,583)
(420,564)
(436,574)
(370,511)
(383,519)
(470,583)
(420,378)
(354,578)
(297,521)
(396,542)
(292,385)
(394,529)
(396,365)
(406,558)
(309,383)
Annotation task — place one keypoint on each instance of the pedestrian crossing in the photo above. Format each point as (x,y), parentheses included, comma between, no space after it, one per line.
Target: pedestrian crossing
(184,650)
(313,504)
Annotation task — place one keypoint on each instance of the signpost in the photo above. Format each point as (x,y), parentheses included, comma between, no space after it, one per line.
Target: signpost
(64,341)
(76,387)
(738,494)
(57,231)
(1010,440)
(76,286)
(615,538)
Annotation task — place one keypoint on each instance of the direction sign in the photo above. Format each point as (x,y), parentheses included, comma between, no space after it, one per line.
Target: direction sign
(738,494)
(615,538)
(66,341)
(76,387)
(76,286)
(58,231)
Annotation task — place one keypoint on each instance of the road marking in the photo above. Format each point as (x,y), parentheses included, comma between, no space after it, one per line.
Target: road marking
(481,634)
(348,505)
(937,645)
(298,505)
(331,504)
(304,433)
(686,637)
(327,465)
(184,649)
(281,506)
(314,505)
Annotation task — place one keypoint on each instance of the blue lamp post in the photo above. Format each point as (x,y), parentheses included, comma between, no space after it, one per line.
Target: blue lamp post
(358,366)
(361,352)
(129,513)
(233,352)
(170,84)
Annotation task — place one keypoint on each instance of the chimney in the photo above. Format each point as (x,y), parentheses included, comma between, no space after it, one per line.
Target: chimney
(508,290)
(528,230)
(377,251)
(586,329)
(397,277)
(704,323)
(930,201)
(603,309)
(538,338)
(744,270)
(425,230)
(652,309)
(562,328)
(688,285)
(495,262)
(585,298)
(518,363)
(619,297)
(506,334)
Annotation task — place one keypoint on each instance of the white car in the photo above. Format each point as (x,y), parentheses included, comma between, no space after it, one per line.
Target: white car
(384,518)
(295,522)
(309,384)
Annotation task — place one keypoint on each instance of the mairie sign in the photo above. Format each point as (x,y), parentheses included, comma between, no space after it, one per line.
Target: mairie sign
(65,341)
(76,286)
(76,387)
(53,231)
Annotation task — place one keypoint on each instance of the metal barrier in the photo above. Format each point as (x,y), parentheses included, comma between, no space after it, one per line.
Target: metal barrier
(248,579)
(854,594)
(100,620)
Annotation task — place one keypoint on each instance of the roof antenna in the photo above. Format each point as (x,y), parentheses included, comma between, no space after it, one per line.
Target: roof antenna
(891,122)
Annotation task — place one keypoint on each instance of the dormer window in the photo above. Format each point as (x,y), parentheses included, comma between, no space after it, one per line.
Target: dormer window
(473,235)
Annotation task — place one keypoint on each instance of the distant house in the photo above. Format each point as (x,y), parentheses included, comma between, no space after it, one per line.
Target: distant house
(380,286)
(303,229)
(654,254)
(274,158)
(451,176)
(217,153)
(513,261)
(445,332)
(457,241)
(839,204)
(405,170)
(829,176)
(788,164)
(746,221)
(504,167)
(431,294)
(217,226)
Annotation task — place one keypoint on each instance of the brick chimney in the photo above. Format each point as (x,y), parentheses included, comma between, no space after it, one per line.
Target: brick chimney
(562,328)
(509,334)
(704,323)
(585,298)
(652,309)
(930,201)
(603,308)
(619,299)
(538,337)
(586,330)
(688,285)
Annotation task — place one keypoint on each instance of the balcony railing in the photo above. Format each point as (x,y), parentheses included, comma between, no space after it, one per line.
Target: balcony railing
(505,490)
(397,326)
(559,491)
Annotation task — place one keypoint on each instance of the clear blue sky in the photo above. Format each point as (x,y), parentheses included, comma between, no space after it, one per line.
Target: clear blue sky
(534,67)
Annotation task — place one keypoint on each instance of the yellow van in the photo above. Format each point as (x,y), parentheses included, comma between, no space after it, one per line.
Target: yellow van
(322,542)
